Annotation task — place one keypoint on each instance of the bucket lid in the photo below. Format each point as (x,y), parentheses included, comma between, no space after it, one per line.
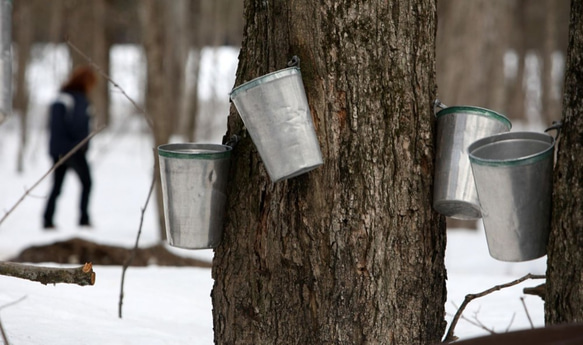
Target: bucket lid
(194,151)
(495,150)
(464,109)
(269,77)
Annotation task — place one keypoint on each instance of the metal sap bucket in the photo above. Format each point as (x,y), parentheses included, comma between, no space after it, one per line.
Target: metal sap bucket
(275,111)
(194,184)
(513,174)
(5,59)
(454,193)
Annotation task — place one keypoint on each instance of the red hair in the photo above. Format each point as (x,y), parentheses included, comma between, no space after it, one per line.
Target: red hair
(82,79)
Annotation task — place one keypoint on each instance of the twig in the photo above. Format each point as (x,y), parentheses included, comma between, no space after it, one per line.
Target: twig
(133,253)
(59,162)
(82,275)
(2,331)
(4,336)
(450,336)
(478,323)
(511,322)
(116,85)
(10,304)
(526,311)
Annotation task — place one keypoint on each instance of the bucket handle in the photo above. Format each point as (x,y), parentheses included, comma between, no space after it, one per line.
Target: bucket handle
(294,62)
(437,104)
(557,125)
(233,141)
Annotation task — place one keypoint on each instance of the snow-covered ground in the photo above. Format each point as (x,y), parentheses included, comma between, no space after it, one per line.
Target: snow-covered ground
(165,305)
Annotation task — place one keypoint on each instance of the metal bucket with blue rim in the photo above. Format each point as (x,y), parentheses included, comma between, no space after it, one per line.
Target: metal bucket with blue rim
(275,111)
(514,177)
(454,192)
(194,186)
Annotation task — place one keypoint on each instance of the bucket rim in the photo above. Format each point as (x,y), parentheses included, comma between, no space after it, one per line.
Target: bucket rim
(524,160)
(266,78)
(475,111)
(177,150)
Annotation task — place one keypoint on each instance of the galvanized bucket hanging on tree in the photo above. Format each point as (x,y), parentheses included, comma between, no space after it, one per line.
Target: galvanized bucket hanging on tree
(514,177)
(275,111)
(454,193)
(194,185)
(5,59)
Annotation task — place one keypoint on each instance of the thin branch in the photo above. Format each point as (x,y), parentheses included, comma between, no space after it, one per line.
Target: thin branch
(116,85)
(59,162)
(10,304)
(478,323)
(133,253)
(475,322)
(2,331)
(450,336)
(511,322)
(526,311)
(82,275)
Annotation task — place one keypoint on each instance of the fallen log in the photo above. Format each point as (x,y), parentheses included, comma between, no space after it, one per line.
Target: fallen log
(82,275)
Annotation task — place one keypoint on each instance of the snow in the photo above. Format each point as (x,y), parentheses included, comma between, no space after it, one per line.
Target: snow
(169,305)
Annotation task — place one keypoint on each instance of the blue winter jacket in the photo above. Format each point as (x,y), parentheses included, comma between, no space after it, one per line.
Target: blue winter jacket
(69,122)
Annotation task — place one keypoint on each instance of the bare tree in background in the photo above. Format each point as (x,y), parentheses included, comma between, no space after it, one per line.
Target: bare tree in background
(191,103)
(166,42)
(23,34)
(157,96)
(471,42)
(86,28)
(475,40)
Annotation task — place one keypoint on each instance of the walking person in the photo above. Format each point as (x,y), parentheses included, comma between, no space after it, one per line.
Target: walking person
(69,123)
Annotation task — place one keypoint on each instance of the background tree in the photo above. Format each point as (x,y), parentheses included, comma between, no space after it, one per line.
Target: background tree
(564,296)
(85,26)
(158,97)
(23,38)
(352,252)
(483,49)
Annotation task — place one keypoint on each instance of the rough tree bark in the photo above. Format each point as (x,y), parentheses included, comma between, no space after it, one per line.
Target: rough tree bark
(564,298)
(350,253)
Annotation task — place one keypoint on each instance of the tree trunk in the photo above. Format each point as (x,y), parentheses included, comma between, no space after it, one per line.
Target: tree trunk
(550,106)
(176,55)
(101,45)
(157,95)
(191,103)
(471,46)
(350,253)
(564,299)
(23,36)
(88,32)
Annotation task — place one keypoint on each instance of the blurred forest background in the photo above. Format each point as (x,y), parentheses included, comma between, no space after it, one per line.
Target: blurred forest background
(505,55)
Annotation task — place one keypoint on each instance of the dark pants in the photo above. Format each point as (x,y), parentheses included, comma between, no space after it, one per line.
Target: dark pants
(78,163)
